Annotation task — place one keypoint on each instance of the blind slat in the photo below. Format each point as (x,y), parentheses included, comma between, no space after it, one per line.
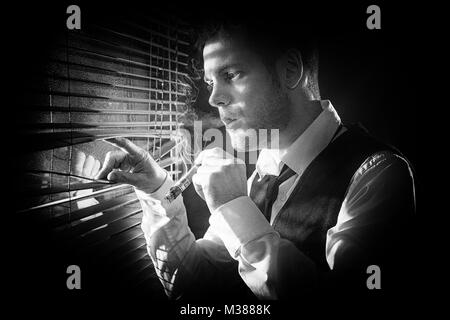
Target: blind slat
(110,230)
(62,109)
(94,209)
(131,257)
(111,98)
(95,126)
(107,217)
(121,73)
(75,198)
(118,86)
(125,251)
(104,248)
(71,187)
(53,140)
(126,48)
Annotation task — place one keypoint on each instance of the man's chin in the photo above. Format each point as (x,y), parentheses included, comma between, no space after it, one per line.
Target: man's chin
(241,143)
(247,140)
(243,148)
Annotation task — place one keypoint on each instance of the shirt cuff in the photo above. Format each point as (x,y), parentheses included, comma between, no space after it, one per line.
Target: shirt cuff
(238,222)
(155,204)
(159,193)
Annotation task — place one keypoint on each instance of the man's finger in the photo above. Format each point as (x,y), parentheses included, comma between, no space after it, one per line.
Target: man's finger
(216,158)
(205,154)
(96,168)
(77,162)
(214,153)
(112,161)
(124,177)
(127,146)
(88,165)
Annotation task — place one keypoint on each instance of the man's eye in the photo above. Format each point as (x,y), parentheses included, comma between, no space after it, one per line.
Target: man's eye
(209,86)
(232,75)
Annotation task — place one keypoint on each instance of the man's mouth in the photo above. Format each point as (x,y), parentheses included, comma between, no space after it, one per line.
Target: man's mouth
(228,121)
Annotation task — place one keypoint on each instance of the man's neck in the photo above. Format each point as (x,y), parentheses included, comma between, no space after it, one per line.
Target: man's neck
(300,120)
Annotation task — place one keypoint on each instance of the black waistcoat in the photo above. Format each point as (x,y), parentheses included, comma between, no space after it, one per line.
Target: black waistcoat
(314,204)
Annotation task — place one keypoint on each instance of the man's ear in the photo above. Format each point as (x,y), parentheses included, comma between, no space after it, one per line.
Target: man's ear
(294,68)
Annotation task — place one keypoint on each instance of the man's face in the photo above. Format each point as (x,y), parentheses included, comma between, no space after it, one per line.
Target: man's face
(246,93)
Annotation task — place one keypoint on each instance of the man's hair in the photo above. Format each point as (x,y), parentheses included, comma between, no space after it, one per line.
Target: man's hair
(271,38)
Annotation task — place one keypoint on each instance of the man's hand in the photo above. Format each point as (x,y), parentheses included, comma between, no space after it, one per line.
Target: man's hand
(220,177)
(132,165)
(84,165)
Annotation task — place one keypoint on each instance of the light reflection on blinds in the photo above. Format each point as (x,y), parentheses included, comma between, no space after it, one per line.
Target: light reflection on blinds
(105,81)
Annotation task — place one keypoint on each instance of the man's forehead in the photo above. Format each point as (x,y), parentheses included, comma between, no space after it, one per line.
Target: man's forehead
(221,52)
(214,47)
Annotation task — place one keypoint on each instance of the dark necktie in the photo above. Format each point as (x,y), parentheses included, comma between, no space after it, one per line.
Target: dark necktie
(265,192)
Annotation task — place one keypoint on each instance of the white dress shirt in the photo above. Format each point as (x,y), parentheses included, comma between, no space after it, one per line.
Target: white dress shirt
(268,264)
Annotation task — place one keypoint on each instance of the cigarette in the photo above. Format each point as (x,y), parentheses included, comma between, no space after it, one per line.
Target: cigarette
(181,185)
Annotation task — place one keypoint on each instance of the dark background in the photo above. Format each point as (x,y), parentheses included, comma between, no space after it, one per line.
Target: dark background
(370,76)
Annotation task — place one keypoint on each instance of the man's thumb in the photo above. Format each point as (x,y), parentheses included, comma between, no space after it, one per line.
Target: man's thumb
(198,186)
(123,177)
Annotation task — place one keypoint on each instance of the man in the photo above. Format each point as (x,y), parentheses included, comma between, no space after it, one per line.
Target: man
(336,210)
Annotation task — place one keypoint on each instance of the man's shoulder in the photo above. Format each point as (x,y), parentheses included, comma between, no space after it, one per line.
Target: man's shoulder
(377,159)
(385,172)
(358,142)
(383,159)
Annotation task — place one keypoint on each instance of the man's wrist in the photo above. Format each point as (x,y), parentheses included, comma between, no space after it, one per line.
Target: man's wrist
(238,222)
(157,193)
(218,203)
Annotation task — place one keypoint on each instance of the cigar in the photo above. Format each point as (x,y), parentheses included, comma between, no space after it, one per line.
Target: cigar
(186,180)
(181,185)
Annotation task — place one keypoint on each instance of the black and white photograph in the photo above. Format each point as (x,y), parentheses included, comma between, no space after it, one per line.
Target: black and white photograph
(223,160)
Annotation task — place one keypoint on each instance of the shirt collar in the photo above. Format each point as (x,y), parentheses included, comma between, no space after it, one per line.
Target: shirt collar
(305,148)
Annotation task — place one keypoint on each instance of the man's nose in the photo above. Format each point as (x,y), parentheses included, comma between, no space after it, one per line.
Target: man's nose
(219,98)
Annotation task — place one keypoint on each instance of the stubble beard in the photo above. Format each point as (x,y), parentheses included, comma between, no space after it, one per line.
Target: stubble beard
(274,115)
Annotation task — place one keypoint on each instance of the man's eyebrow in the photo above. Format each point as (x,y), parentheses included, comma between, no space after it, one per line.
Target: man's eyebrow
(224,68)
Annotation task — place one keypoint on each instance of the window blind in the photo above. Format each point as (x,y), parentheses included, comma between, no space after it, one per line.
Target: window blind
(126,79)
